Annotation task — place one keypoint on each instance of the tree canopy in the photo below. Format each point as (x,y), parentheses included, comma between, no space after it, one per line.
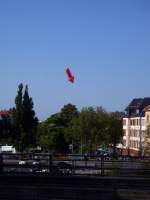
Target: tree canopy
(53,134)
(69,130)
(24,120)
(146,150)
(84,130)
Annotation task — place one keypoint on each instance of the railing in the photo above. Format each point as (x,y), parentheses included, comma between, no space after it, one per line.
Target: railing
(74,165)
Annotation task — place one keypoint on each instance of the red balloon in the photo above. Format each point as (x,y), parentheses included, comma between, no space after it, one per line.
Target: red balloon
(69,75)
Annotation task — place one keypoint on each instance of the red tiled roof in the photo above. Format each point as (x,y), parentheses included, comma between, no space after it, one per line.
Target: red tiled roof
(5,112)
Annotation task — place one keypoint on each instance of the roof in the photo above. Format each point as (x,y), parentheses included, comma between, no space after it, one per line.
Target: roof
(147,108)
(146,102)
(139,103)
(5,112)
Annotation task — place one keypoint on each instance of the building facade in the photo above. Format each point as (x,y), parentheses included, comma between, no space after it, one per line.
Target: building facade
(147,115)
(135,125)
(146,150)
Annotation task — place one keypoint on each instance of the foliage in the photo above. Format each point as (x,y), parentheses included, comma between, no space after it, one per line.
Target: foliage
(146,150)
(51,134)
(85,130)
(17,116)
(24,120)
(89,128)
(115,130)
(6,129)
(68,112)
(54,134)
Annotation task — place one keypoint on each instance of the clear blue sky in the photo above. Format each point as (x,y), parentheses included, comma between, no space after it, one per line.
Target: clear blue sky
(106,43)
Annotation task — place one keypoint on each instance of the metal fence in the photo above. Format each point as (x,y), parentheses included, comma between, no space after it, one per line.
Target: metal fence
(74,164)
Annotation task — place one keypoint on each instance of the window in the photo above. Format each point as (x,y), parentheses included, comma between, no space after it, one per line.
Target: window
(132,133)
(124,122)
(143,122)
(134,144)
(133,122)
(131,143)
(138,133)
(147,118)
(138,145)
(124,143)
(124,133)
(135,133)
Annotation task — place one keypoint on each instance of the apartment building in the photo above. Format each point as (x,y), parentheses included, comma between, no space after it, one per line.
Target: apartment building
(146,144)
(134,126)
(147,115)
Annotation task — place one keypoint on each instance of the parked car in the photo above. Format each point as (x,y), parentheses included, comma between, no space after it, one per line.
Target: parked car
(100,153)
(22,162)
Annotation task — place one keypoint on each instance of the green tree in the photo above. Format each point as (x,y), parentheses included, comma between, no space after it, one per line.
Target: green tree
(84,129)
(54,134)
(6,128)
(29,122)
(95,127)
(146,150)
(101,137)
(51,134)
(17,116)
(24,120)
(115,130)
(68,112)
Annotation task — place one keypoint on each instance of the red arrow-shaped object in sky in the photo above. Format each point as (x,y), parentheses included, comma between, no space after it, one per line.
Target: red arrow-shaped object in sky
(69,75)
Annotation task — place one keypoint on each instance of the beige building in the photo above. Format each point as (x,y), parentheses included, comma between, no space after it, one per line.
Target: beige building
(147,115)
(135,125)
(146,144)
